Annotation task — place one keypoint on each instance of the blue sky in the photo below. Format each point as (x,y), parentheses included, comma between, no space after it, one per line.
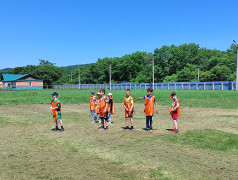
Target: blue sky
(69,32)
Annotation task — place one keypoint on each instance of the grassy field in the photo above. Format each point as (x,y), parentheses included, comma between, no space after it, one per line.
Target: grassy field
(200,98)
(205,148)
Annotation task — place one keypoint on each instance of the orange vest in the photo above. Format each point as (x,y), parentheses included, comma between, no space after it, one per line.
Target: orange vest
(92,105)
(54,105)
(149,106)
(128,106)
(172,107)
(97,106)
(109,107)
(102,106)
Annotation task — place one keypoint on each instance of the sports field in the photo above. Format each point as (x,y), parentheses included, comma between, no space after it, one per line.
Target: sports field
(205,148)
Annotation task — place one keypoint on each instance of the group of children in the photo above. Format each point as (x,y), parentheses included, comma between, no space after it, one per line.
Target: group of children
(102,107)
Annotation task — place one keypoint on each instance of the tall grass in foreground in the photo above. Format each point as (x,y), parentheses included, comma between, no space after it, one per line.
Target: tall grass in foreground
(188,98)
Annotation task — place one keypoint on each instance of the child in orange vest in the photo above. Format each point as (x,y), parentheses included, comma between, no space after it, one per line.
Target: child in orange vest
(129,109)
(150,101)
(95,118)
(111,108)
(175,111)
(92,99)
(56,111)
(103,110)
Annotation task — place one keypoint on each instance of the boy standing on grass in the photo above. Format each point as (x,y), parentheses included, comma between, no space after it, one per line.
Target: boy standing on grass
(174,111)
(129,109)
(56,111)
(103,110)
(111,108)
(150,101)
(92,99)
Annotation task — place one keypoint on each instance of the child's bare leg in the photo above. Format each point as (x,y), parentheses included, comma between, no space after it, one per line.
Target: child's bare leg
(102,121)
(127,122)
(132,123)
(61,123)
(175,124)
(56,122)
(106,122)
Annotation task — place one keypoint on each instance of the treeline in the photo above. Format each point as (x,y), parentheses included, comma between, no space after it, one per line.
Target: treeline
(172,64)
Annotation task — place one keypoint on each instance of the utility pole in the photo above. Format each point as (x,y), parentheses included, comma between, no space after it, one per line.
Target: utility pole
(198,74)
(149,58)
(153,69)
(79,76)
(110,75)
(236,65)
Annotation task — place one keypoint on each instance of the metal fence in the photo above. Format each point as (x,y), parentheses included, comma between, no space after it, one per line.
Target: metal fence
(223,85)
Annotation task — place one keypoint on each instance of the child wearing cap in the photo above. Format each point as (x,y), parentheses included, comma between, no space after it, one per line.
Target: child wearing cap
(56,111)
(150,101)
(92,99)
(129,109)
(174,111)
(103,110)
(111,109)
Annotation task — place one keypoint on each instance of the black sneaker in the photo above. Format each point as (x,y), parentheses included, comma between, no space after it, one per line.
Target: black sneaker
(151,129)
(101,128)
(55,129)
(106,129)
(61,130)
(126,128)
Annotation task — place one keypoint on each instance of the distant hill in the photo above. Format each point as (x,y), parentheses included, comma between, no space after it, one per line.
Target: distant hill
(6,69)
(75,67)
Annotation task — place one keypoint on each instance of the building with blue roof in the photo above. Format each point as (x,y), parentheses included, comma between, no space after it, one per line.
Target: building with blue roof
(21,82)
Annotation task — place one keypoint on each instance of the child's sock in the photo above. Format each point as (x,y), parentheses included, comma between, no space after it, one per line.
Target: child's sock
(132,127)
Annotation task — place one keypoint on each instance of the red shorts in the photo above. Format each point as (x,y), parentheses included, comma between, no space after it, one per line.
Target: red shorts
(175,116)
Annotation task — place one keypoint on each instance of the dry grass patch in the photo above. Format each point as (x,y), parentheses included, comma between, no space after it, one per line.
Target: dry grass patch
(30,150)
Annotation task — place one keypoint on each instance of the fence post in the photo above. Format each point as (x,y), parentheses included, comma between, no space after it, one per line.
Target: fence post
(168,85)
(156,86)
(196,86)
(222,87)
(189,86)
(175,86)
(204,85)
(130,86)
(213,86)
(140,86)
(162,86)
(145,86)
(182,85)
(232,87)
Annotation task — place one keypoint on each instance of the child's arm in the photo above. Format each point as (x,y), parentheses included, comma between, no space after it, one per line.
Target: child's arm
(125,107)
(156,106)
(106,101)
(176,106)
(132,106)
(139,99)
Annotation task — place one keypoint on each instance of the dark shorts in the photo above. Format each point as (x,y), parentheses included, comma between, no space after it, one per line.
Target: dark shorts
(129,116)
(105,117)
